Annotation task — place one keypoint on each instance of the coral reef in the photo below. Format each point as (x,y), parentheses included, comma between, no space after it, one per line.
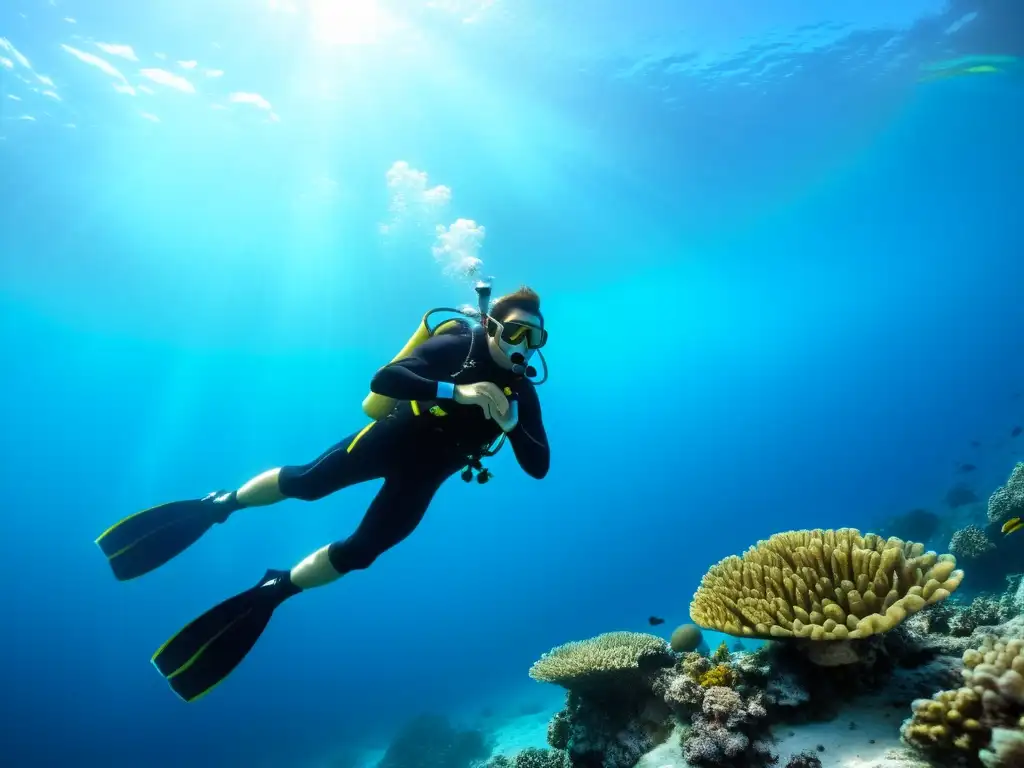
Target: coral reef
(981,722)
(1008,500)
(854,624)
(686,638)
(610,717)
(615,725)
(970,542)
(822,585)
(430,741)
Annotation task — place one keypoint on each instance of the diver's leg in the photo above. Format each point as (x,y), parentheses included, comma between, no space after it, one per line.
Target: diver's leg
(148,539)
(203,653)
(262,490)
(338,467)
(393,514)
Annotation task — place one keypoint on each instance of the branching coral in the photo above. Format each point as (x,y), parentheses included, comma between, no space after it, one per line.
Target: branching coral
(970,542)
(602,660)
(822,585)
(1008,499)
(984,719)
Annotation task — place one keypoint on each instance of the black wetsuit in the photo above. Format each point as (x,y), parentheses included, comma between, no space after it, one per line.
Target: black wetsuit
(420,444)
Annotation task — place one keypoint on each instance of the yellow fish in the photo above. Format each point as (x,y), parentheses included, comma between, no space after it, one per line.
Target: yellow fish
(1012,525)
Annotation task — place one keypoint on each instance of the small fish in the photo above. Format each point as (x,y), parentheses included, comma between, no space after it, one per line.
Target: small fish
(967,467)
(655,621)
(1012,525)
(975,443)
(1015,431)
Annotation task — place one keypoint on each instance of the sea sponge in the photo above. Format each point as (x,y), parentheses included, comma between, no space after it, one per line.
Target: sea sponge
(992,697)
(822,585)
(685,638)
(607,658)
(1008,500)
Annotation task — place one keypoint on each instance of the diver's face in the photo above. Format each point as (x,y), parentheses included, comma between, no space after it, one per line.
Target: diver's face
(521,333)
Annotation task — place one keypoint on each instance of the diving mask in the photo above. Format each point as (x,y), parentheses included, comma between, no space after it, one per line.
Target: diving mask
(516,336)
(517,341)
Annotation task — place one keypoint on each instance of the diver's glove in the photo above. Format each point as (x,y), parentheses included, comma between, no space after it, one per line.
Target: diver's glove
(486,395)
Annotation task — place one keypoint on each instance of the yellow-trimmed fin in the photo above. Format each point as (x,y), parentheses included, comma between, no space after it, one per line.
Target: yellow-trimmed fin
(195,657)
(121,522)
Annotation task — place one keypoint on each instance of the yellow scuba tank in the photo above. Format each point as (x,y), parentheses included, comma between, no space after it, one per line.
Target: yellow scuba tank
(378,406)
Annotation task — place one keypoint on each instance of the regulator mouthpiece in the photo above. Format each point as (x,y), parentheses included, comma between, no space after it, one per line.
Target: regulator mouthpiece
(483,296)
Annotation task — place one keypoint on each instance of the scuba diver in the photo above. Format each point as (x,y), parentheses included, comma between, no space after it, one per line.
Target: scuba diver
(448,399)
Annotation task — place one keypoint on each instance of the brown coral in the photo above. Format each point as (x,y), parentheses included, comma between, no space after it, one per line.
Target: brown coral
(823,585)
(602,659)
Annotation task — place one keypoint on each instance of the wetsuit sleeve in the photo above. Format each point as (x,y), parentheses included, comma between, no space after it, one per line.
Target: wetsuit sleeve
(528,438)
(416,377)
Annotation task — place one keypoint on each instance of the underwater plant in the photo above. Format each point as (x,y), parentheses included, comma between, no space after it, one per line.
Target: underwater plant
(847,617)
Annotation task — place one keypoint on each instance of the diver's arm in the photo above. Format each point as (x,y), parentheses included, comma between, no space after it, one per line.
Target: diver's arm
(427,373)
(528,438)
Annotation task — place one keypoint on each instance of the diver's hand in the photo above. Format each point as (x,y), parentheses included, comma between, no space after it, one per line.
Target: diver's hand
(509,421)
(486,395)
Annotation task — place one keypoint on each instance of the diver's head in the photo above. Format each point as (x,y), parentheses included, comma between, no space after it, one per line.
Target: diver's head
(515,329)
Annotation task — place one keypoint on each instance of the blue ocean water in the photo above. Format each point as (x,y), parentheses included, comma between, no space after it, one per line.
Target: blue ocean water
(780,260)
